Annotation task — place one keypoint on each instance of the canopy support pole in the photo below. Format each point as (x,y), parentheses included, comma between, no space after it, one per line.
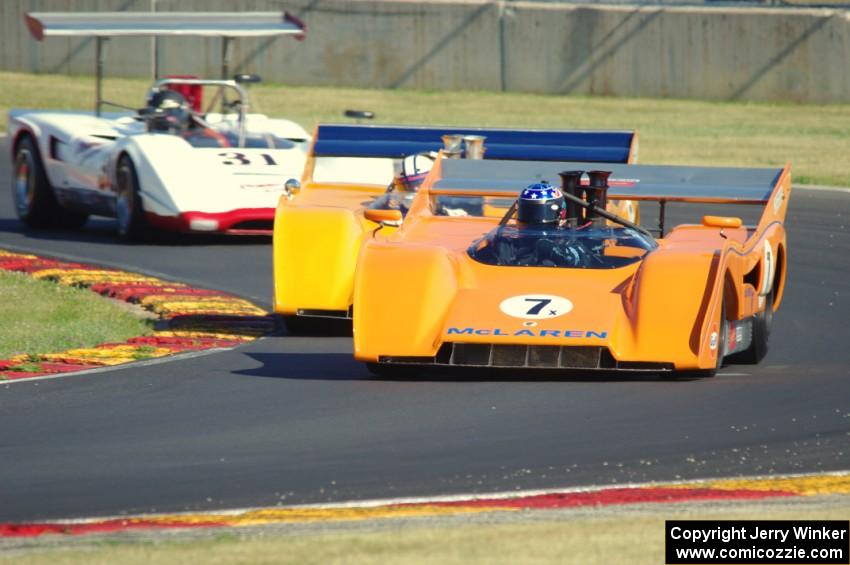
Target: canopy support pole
(100,43)
(154,49)
(226,52)
(155,57)
(662,205)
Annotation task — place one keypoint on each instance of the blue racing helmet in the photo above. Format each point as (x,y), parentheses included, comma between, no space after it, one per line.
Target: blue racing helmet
(540,203)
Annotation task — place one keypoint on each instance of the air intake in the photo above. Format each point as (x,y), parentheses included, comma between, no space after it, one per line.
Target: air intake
(526,357)
(597,194)
(571,184)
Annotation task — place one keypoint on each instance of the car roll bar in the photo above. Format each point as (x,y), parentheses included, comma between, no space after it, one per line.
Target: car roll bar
(244,100)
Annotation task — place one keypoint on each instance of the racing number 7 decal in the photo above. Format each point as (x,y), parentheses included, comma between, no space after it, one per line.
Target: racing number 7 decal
(535,306)
(540,304)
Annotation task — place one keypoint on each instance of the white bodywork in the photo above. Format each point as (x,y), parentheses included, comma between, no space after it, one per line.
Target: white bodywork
(355,170)
(80,152)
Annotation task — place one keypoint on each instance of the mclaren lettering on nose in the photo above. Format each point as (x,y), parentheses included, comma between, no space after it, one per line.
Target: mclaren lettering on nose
(526,332)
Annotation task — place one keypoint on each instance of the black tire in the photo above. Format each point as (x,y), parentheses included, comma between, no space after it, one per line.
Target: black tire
(762,324)
(307,326)
(129,213)
(298,325)
(394,372)
(35,202)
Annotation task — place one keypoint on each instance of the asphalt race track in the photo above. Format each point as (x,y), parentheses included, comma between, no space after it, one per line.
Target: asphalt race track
(296,420)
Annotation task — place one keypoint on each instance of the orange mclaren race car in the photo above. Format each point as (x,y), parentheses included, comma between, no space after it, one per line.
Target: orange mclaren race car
(558,282)
(320,224)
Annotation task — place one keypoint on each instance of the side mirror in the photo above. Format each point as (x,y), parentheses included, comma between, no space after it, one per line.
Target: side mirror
(292,187)
(721,222)
(388,217)
(247,78)
(359,114)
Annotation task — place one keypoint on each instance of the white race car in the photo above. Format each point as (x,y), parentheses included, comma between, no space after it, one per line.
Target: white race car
(177,164)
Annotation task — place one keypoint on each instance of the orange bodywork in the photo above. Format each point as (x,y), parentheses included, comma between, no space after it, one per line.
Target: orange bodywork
(418,289)
(316,240)
(318,234)
(317,237)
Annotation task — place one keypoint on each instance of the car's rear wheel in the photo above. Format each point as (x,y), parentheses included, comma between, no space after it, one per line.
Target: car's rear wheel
(128,204)
(309,326)
(762,323)
(35,202)
(297,325)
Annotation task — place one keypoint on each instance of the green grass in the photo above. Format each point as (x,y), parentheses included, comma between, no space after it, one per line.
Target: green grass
(44,317)
(814,138)
(144,352)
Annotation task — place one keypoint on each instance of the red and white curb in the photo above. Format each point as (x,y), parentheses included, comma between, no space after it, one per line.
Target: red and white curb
(738,489)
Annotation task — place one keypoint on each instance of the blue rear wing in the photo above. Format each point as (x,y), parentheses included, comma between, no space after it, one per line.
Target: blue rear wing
(348,140)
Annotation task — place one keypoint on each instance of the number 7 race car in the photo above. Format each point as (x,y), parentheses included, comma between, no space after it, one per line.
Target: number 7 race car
(593,291)
(177,163)
(319,230)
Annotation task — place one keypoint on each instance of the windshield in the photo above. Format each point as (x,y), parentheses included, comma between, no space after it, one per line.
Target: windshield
(480,206)
(591,247)
(443,205)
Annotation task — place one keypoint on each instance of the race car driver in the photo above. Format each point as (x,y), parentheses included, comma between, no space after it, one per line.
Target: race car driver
(540,210)
(405,185)
(170,113)
(400,192)
(539,206)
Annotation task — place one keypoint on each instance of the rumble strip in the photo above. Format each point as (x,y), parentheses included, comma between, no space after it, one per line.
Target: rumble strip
(190,319)
(737,489)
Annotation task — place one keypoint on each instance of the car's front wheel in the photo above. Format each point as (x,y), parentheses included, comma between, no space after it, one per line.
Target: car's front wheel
(720,344)
(394,372)
(35,202)
(128,204)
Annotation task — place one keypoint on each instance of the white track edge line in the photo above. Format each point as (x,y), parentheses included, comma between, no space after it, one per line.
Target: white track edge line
(839,189)
(121,366)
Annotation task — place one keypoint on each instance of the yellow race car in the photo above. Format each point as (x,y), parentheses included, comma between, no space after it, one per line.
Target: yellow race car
(558,282)
(320,224)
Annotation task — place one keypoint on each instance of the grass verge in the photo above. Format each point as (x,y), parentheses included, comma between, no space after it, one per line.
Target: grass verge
(813,137)
(634,536)
(44,317)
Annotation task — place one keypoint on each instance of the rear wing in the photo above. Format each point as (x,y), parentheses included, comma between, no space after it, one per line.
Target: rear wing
(500,143)
(768,187)
(147,24)
(103,25)
(369,143)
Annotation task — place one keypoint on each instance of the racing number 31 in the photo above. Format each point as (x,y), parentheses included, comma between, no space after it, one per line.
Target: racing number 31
(236,158)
